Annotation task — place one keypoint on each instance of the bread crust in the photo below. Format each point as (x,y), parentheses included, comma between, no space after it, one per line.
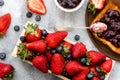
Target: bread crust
(111,6)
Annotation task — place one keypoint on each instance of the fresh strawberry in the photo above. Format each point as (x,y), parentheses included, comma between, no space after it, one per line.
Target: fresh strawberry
(94,57)
(99,4)
(54,39)
(81,75)
(6,71)
(36,6)
(57,64)
(95,78)
(73,67)
(107,66)
(67,47)
(78,50)
(32,32)
(37,46)
(40,62)
(49,56)
(5,21)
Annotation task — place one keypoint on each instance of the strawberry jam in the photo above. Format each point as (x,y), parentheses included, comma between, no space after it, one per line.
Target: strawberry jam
(69,4)
(112,34)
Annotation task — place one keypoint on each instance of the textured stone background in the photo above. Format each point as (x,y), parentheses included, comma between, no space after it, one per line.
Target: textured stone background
(54,16)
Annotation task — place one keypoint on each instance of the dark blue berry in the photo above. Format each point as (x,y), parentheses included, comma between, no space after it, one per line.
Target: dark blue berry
(2,56)
(1,2)
(38,18)
(102,77)
(77,37)
(90,76)
(29,14)
(16,28)
(83,61)
(98,69)
(53,51)
(59,49)
(68,57)
(23,38)
(44,32)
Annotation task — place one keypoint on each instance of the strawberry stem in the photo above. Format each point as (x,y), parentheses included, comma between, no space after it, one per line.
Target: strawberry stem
(91,8)
(9,76)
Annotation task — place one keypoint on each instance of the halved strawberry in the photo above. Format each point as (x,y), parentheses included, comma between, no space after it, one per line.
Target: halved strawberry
(37,46)
(78,50)
(32,32)
(36,6)
(40,62)
(6,71)
(106,66)
(54,39)
(73,67)
(94,57)
(57,64)
(5,21)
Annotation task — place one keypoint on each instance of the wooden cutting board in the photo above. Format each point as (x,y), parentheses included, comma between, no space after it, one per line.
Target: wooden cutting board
(103,48)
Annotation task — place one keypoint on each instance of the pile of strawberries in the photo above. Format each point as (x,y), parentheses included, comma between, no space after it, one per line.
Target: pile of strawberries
(48,51)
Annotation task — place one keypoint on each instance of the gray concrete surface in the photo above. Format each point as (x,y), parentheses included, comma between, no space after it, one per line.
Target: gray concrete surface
(54,16)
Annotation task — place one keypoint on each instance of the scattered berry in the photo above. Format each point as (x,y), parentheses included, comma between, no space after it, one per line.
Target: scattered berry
(2,56)
(77,37)
(23,38)
(29,14)
(83,61)
(38,18)
(44,32)
(1,2)
(16,28)
(59,49)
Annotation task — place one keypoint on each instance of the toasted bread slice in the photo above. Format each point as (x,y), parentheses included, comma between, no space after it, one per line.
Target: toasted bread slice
(111,6)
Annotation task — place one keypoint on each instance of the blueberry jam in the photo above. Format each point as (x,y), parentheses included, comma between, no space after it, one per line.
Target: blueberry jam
(69,4)
(112,34)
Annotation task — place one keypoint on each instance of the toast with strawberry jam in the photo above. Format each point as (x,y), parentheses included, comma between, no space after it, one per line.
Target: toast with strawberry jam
(110,15)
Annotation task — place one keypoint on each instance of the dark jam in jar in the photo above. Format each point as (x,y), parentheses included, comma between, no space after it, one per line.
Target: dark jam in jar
(112,34)
(69,4)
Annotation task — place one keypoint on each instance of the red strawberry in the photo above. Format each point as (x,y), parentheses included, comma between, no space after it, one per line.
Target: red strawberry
(107,66)
(37,46)
(40,62)
(49,56)
(5,71)
(73,67)
(81,75)
(98,4)
(78,50)
(67,47)
(57,63)
(94,57)
(32,33)
(95,78)
(5,21)
(36,6)
(54,39)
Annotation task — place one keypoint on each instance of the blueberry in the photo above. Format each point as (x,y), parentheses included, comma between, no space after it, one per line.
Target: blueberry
(90,76)
(53,51)
(98,69)
(1,2)
(83,61)
(102,77)
(77,37)
(16,28)
(59,49)
(68,57)
(23,38)
(29,14)
(2,56)
(44,32)
(38,18)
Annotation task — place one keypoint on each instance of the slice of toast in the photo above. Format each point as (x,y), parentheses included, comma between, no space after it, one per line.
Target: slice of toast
(111,6)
